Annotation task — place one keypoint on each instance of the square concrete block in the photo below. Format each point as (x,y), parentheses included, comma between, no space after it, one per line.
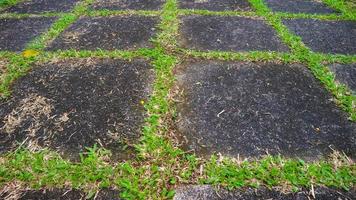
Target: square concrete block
(337,37)
(16,33)
(249,109)
(128,4)
(72,104)
(108,33)
(216,5)
(228,34)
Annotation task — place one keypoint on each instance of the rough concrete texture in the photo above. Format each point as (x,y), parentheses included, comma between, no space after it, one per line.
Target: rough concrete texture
(251,109)
(228,34)
(128,4)
(325,36)
(41,6)
(345,74)
(109,33)
(216,5)
(299,6)
(16,33)
(73,104)
(206,192)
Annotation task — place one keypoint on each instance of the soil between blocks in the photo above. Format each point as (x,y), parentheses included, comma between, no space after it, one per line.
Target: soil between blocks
(16,33)
(216,5)
(209,193)
(299,6)
(325,36)
(128,4)
(41,6)
(228,34)
(345,74)
(73,104)
(62,194)
(129,32)
(249,109)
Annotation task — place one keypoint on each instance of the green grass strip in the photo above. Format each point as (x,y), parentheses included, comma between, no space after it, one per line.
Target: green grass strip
(94,172)
(7,3)
(240,56)
(62,54)
(169,26)
(219,13)
(48,169)
(159,161)
(276,171)
(336,58)
(348,8)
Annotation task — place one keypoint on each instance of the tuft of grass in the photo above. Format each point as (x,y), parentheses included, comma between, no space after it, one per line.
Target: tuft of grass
(94,172)
(347,7)
(8,3)
(274,171)
(169,26)
(219,13)
(47,169)
(60,54)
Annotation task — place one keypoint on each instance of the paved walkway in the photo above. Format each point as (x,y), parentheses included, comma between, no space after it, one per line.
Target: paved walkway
(240,87)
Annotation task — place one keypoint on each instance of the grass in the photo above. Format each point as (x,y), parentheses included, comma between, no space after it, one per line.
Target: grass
(8,3)
(161,165)
(347,8)
(94,171)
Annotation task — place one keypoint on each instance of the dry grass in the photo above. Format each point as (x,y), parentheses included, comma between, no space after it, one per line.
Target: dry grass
(32,108)
(12,191)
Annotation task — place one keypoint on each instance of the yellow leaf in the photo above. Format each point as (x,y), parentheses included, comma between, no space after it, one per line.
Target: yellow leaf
(30,53)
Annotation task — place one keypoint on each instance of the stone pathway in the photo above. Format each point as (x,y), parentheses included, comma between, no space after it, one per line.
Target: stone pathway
(239,108)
